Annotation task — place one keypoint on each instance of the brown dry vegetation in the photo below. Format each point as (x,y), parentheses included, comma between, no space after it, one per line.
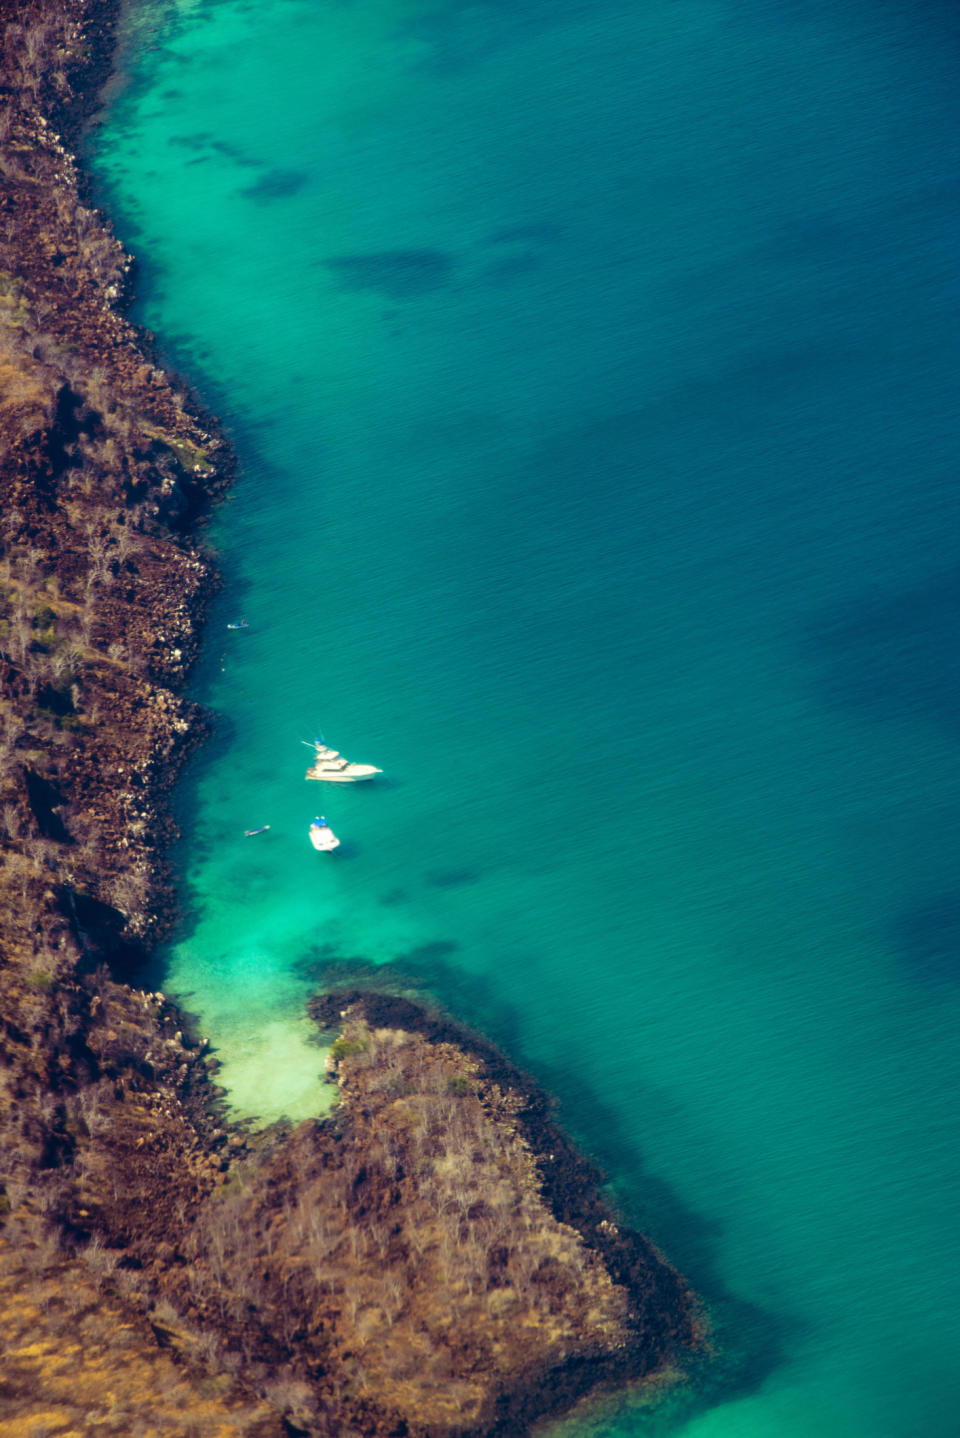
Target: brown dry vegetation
(402,1257)
(78,1360)
(396,1269)
(110,1133)
(393,1270)
(102,467)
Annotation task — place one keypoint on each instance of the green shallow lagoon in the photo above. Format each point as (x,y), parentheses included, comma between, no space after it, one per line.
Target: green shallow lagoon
(591,373)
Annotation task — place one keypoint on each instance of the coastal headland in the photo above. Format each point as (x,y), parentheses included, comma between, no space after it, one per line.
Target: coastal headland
(434,1259)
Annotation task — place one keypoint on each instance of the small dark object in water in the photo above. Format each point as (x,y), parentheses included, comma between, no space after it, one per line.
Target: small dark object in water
(239,624)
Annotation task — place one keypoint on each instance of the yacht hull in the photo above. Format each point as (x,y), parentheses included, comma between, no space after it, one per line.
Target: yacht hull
(342,776)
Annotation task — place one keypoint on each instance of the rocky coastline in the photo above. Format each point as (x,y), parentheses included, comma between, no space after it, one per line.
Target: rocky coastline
(436,1259)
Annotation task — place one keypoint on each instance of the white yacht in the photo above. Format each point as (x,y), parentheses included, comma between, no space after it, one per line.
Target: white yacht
(322,836)
(331,766)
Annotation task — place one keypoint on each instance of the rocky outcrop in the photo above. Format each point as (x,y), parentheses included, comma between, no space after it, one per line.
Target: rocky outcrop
(104,468)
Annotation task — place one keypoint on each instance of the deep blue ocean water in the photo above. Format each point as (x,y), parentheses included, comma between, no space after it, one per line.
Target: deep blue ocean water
(592,373)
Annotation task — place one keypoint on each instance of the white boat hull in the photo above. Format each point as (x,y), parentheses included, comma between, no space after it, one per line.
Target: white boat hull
(330,766)
(352,775)
(323,838)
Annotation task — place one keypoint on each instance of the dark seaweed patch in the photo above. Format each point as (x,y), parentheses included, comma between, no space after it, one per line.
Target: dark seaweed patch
(928,940)
(200,140)
(895,653)
(276,185)
(233,152)
(451,878)
(393,897)
(396,274)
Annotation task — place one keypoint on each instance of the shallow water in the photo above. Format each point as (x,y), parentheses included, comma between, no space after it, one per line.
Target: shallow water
(592,378)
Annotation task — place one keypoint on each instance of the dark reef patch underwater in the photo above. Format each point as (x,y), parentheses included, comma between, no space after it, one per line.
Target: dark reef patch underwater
(594,401)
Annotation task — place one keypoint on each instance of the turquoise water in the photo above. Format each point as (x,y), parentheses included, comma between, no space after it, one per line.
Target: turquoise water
(592,375)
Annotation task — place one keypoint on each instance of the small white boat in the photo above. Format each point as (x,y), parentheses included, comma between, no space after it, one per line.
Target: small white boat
(331,766)
(322,836)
